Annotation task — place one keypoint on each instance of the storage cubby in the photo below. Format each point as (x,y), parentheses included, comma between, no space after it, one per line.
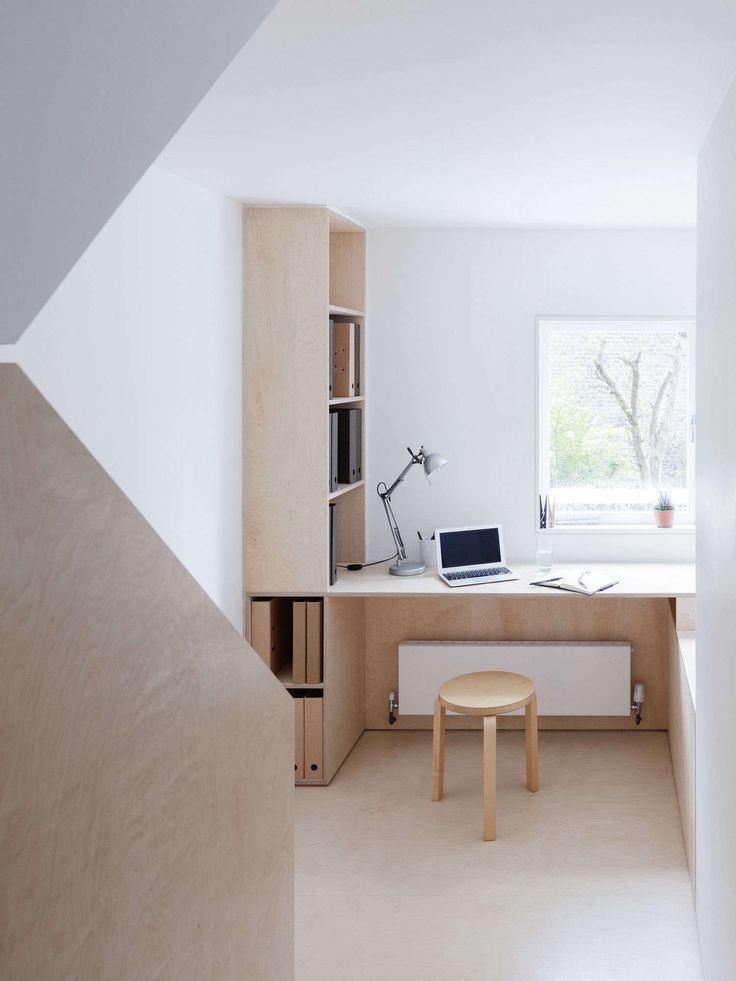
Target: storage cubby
(308,737)
(349,526)
(347,265)
(288,634)
(269,630)
(342,687)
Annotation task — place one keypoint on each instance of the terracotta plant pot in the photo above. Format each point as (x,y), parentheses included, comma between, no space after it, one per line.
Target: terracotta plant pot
(664,519)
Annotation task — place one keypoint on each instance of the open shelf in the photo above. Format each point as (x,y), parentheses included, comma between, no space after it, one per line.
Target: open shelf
(347,399)
(341,223)
(286,677)
(344,488)
(345,311)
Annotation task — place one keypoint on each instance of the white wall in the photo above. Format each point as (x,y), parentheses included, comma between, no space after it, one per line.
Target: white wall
(715,759)
(452,362)
(98,89)
(139,351)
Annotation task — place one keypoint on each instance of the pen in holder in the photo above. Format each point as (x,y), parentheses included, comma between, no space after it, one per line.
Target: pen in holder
(428,551)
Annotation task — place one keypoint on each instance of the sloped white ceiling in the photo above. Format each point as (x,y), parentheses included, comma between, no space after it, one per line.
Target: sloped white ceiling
(470,112)
(90,92)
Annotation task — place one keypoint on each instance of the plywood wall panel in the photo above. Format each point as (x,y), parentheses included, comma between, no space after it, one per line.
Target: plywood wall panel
(286,434)
(344,679)
(682,747)
(146,821)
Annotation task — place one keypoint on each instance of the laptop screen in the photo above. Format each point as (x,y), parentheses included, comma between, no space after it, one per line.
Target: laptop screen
(474,546)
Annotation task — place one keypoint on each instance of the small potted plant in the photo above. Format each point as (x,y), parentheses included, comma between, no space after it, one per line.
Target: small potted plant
(664,510)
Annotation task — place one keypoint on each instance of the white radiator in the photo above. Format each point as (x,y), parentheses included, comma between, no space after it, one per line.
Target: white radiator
(570,678)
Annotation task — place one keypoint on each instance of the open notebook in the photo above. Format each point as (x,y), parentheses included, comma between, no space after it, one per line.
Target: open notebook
(585,583)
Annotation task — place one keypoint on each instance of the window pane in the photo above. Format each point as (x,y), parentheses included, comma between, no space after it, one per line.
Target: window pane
(618,417)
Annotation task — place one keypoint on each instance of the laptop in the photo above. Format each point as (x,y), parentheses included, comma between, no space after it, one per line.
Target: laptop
(470,556)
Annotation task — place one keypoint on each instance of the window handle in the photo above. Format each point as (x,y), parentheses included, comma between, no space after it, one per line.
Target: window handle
(692,428)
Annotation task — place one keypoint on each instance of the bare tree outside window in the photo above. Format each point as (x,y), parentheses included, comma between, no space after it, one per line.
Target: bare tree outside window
(650,428)
(617,416)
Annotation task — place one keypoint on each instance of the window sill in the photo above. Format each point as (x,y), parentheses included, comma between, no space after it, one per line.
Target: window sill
(622,529)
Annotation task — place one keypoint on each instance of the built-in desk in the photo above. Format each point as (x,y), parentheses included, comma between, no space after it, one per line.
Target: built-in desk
(368,613)
(637,580)
(640,609)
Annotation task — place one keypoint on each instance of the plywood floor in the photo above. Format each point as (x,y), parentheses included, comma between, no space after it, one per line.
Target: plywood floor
(586,882)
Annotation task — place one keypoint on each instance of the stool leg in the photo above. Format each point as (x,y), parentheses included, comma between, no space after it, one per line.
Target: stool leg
(438,751)
(489,778)
(531,740)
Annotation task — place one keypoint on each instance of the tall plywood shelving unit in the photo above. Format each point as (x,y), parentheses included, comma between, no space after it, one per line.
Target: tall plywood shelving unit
(303,266)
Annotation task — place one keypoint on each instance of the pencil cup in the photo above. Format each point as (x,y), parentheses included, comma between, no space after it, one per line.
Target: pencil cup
(428,553)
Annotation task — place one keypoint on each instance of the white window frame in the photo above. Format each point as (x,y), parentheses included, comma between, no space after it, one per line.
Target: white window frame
(594,519)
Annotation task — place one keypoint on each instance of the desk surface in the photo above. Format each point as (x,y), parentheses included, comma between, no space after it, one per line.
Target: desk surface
(641,579)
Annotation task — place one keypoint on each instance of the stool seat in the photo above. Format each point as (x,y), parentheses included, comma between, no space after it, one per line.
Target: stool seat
(486,692)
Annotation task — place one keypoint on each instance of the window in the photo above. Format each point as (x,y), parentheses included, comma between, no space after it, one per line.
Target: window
(617,418)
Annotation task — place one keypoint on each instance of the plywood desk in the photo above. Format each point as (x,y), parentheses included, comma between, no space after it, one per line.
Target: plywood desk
(641,609)
(640,580)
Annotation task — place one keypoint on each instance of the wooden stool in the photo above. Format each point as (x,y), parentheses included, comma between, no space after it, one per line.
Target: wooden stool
(486,693)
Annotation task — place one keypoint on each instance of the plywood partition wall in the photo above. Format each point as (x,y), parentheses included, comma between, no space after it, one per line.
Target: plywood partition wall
(285,392)
(146,821)
(344,679)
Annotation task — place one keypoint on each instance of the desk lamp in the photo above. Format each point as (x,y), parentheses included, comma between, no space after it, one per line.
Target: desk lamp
(432,462)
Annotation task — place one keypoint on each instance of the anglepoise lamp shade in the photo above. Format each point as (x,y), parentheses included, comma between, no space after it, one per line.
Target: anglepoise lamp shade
(431,462)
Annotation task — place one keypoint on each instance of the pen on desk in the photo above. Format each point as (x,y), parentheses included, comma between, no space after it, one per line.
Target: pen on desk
(543,582)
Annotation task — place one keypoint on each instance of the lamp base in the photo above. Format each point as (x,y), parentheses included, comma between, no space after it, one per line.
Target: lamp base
(404,568)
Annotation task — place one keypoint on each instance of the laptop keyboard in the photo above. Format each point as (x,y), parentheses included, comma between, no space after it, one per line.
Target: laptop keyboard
(478,573)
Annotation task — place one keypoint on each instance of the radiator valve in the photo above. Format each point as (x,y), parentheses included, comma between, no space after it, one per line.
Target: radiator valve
(637,701)
(393,707)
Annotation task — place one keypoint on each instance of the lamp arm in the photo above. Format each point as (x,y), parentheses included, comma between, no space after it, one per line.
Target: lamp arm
(396,534)
(385,496)
(415,458)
